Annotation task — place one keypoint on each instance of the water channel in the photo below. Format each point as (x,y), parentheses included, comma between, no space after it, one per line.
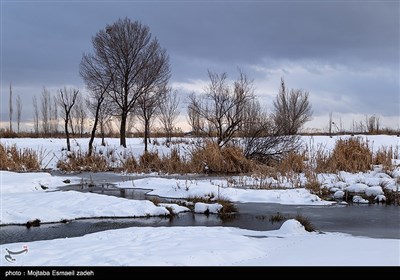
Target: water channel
(377,221)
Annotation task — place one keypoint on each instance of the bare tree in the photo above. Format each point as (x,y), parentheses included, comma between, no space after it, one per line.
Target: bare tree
(54,114)
(194,119)
(222,106)
(372,124)
(147,106)
(45,103)
(98,82)
(10,108)
(126,54)
(263,139)
(79,115)
(330,124)
(98,108)
(130,122)
(66,100)
(292,109)
(19,111)
(35,115)
(169,112)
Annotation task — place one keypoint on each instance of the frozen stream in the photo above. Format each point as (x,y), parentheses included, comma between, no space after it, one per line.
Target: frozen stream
(378,221)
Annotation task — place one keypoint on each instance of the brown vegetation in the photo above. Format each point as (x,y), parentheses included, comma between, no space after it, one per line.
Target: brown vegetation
(14,159)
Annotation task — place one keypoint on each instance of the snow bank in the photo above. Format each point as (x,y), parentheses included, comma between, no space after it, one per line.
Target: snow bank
(176,209)
(292,226)
(12,182)
(175,188)
(208,246)
(203,208)
(56,206)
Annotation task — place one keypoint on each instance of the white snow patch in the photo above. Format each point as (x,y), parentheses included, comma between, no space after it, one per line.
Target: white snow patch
(359,199)
(338,194)
(13,182)
(357,188)
(56,206)
(201,207)
(380,198)
(175,207)
(374,191)
(292,226)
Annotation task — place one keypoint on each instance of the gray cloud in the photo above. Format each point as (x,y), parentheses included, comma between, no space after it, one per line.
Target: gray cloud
(42,44)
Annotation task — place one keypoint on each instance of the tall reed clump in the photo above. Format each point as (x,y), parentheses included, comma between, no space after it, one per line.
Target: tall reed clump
(351,155)
(14,159)
(79,161)
(212,159)
(292,162)
(384,156)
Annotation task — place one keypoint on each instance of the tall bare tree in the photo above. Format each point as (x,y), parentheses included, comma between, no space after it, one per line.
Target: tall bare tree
(66,100)
(98,108)
(10,108)
(222,106)
(45,105)
(147,107)
(35,115)
(19,111)
(126,54)
(79,115)
(292,109)
(54,113)
(98,81)
(169,112)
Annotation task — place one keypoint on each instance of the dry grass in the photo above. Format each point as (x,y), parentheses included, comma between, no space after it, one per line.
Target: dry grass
(384,157)
(150,162)
(292,162)
(130,164)
(212,159)
(173,163)
(14,159)
(78,161)
(351,155)
(308,226)
(278,217)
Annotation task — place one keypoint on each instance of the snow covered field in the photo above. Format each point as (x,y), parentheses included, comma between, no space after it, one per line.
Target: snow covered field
(53,149)
(29,196)
(208,246)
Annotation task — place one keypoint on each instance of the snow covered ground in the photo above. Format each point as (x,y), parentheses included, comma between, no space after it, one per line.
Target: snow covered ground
(29,196)
(177,188)
(23,199)
(53,149)
(291,245)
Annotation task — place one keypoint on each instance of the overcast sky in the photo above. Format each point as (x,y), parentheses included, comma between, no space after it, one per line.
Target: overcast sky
(345,53)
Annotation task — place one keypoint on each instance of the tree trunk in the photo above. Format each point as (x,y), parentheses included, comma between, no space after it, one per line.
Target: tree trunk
(67,135)
(146,134)
(122,135)
(92,135)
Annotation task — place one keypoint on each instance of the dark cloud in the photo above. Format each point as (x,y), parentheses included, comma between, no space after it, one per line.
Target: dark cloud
(42,42)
